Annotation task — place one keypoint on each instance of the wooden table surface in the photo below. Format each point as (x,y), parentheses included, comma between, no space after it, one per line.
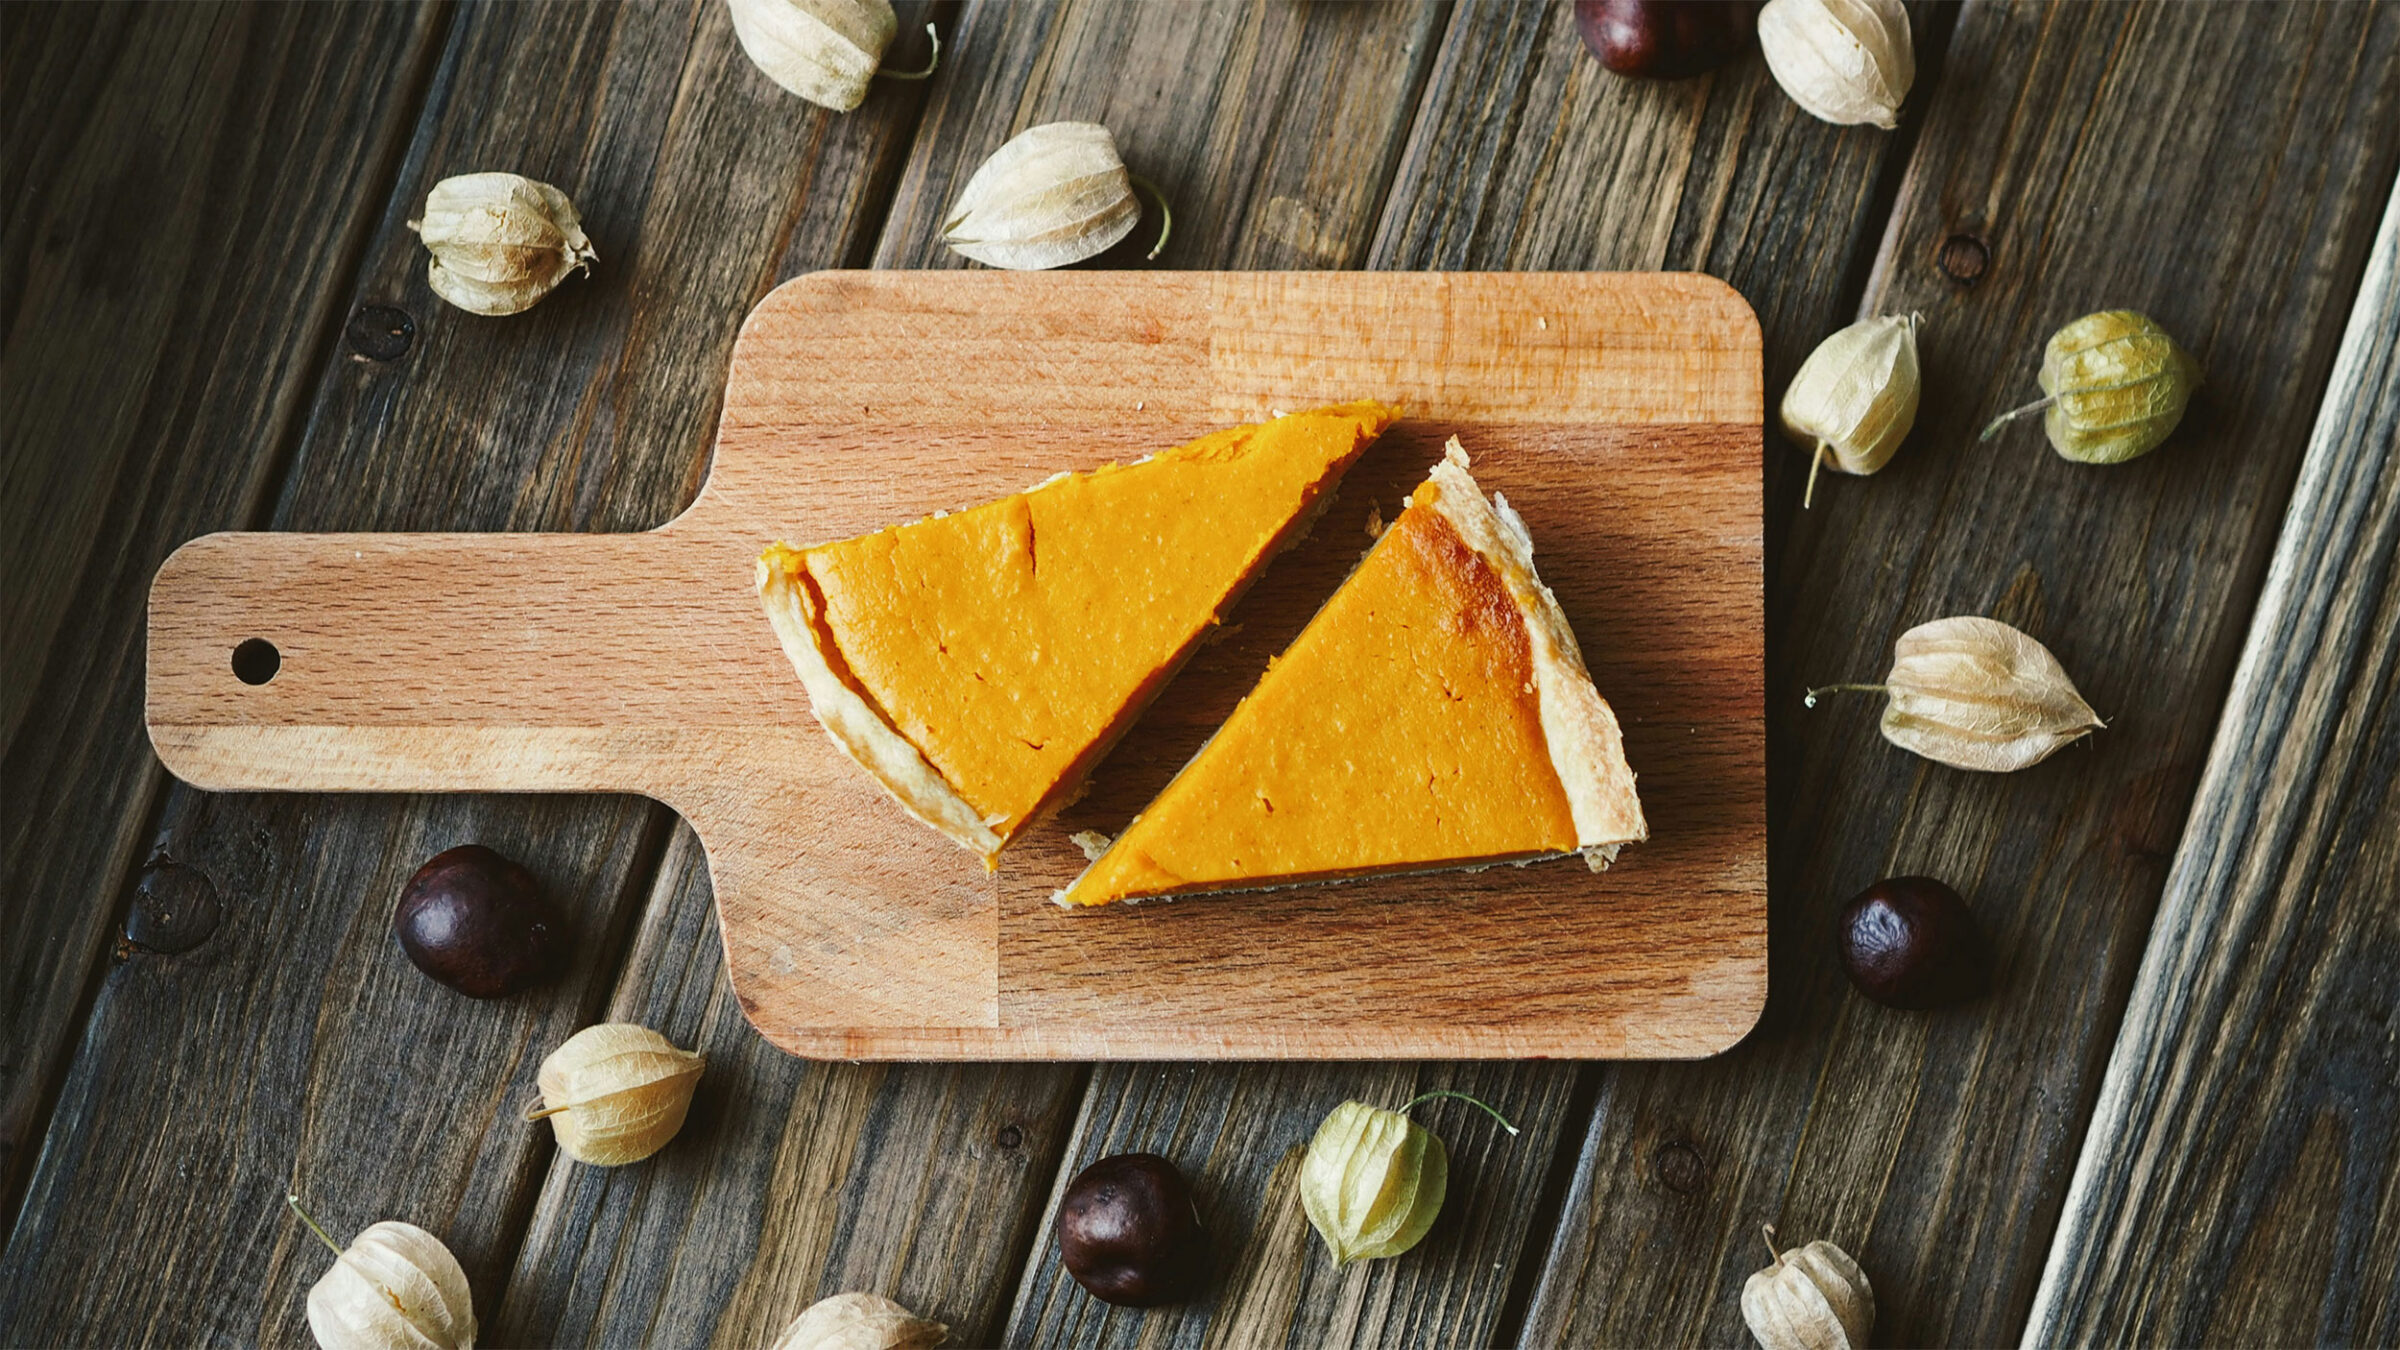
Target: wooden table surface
(2176,1120)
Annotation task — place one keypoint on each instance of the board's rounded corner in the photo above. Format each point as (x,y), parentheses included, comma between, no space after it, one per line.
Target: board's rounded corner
(176,745)
(1743,1020)
(184,555)
(1737,319)
(1734,308)
(795,292)
(799,1044)
(178,750)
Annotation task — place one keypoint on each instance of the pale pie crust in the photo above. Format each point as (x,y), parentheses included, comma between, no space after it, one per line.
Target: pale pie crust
(1587,748)
(855,724)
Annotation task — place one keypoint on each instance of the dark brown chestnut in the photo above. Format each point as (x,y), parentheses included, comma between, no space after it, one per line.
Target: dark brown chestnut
(478,922)
(1666,39)
(1910,942)
(1130,1233)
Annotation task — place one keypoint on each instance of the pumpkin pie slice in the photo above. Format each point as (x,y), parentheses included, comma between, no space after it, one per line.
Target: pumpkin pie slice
(1434,714)
(978,663)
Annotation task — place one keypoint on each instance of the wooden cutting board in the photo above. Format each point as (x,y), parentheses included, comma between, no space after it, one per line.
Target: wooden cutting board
(1619,413)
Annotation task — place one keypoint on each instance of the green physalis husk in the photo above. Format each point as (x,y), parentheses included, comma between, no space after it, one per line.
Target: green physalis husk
(1373,1180)
(2117,385)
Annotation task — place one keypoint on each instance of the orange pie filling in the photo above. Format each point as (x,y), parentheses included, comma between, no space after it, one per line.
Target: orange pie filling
(1434,714)
(979,663)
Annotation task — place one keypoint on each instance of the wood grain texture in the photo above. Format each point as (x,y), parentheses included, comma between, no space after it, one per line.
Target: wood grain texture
(792,1179)
(185,193)
(1745,191)
(297,1034)
(1272,127)
(1625,430)
(1238,1135)
(1528,155)
(1524,154)
(2086,148)
(2240,1180)
(296,1049)
(1376,99)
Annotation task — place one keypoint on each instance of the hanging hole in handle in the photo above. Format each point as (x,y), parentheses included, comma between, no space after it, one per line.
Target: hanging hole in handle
(255,661)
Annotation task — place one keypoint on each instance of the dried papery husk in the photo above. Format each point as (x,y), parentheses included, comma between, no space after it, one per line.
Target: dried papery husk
(500,241)
(1974,693)
(826,51)
(2117,386)
(1813,1298)
(1373,1181)
(1053,195)
(859,1322)
(1844,61)
(616,1093)
(1854,399)
(395,1287)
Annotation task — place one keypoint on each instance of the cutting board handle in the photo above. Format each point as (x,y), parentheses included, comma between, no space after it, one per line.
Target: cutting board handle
(431,662)
(575,663)
(1629,406)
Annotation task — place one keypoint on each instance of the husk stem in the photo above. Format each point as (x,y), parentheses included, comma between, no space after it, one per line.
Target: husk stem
(1993,428)
(1815,462)
(1811,699)
(1166,213)
(1445,1092)
(313,1226)
(930,66)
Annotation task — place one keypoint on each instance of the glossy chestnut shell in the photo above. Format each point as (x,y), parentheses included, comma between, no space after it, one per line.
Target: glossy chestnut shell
(1911,942)
(1666,39)
(1129,1232)
(478,922)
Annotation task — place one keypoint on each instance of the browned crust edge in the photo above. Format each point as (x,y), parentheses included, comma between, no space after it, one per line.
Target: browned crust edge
(1587,748)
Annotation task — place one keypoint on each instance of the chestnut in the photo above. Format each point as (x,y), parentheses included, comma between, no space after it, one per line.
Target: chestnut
(1130,1234)
(1666,39)
(1910,942)
(479,923)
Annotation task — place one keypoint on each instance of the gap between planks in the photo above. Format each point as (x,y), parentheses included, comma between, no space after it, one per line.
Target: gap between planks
(2267,921)
(375,827)
(1576,1119)
(287,422)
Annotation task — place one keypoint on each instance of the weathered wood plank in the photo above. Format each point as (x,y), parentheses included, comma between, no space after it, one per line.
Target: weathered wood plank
(1272,128)
(921,1182)
(296,1045)
(2091,151)
(296,1048)
(925,1182)
(2240,1181)
(185,191)
(1692,233)
(1238,1134)
(1525,154)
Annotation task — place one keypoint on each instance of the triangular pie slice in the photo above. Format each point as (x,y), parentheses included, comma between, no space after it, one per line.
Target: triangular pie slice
(978,663)
(1434,714)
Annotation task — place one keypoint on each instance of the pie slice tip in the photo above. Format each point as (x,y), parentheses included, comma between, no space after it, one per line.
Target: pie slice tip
(853,723)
